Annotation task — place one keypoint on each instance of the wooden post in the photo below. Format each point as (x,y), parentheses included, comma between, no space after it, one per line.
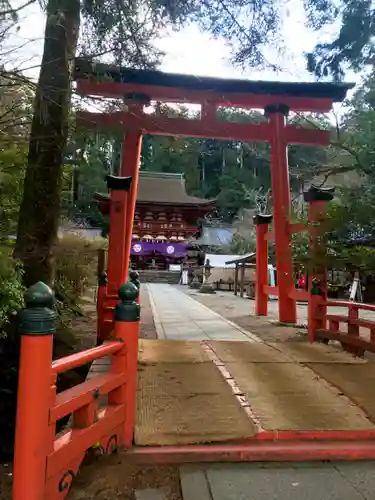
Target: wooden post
(281,211)
(100,302)
(33,439)
(242,283)
(101,262)
(261,270)
(236,279)
(317,310)
(119,187)
(127,315)
(131,155)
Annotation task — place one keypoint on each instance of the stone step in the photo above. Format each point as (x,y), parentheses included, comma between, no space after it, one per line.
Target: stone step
(169,277)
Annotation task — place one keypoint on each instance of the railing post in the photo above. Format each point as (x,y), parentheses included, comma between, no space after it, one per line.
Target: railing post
(127,323)
(314,312)
(261,267)
(118,228)
(134,278)
(38,323)
(317,309)
(102,292)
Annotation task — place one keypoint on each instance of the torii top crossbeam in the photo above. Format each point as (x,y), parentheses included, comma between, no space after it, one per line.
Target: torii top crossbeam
(111,81)
(140,87)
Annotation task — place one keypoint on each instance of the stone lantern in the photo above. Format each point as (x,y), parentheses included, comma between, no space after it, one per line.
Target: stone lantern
(207,287)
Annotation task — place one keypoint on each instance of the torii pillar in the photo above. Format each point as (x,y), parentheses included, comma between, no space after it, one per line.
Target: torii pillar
(130,162)
(277,114)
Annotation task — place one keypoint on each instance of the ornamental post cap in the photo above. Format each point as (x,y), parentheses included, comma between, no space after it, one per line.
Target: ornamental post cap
(128,292)
(133,275)
(103,279)
(39,295)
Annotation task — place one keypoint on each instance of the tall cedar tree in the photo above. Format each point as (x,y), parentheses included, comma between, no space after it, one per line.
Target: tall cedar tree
(40,207)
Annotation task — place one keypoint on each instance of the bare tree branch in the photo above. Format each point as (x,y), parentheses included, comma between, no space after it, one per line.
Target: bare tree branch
(13,11)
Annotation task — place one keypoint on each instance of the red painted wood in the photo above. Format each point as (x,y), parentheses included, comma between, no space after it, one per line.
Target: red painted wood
(269,236)
(294,436)
(83,394)
(81,358)
(102,292)
(205,128)
(299,295)
(32,438)
(299,135)
(281,218)
(364,323)
(346,339)
(170,94)
(347,303)
(261,271)
(297,228)
(130,162)
(257,452)
(161,125)
(317,308)
(117,240)
(76,441)
(271,290)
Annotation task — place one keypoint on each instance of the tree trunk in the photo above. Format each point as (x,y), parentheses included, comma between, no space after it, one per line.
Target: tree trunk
(40,207)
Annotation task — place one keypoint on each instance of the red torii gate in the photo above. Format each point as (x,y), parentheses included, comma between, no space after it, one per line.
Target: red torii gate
(45,463)
(139,88)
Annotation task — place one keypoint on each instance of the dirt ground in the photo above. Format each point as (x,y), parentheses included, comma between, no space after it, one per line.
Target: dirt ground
(114,479)
(85,327)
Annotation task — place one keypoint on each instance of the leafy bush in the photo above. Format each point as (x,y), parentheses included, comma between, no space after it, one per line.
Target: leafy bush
(76,264)
(11,288)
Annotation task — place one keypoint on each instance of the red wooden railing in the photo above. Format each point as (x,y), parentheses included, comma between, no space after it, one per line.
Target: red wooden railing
(106,303)
(326,326)
(45,463)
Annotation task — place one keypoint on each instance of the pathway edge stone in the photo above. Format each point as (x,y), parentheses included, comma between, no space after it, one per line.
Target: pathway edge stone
(158,324)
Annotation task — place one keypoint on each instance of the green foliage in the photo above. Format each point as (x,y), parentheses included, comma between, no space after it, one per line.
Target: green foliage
(241,245)
(12,167)
(354,45)
(125,30)
(11,288)
(75,272)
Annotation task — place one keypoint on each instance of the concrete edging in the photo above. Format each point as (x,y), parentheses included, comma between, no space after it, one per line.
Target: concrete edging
(158,324)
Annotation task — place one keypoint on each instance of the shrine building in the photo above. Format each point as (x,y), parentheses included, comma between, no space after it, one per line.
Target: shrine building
(166,220)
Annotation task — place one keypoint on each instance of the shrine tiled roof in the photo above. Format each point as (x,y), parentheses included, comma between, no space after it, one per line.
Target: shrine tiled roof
(163,188)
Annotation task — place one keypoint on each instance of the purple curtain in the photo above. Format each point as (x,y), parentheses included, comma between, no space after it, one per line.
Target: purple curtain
(142,248)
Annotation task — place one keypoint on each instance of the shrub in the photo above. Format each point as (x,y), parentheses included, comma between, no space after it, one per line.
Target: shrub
(11,287)
(76,265)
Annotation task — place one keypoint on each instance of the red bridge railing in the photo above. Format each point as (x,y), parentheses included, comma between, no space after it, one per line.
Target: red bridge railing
(45,463)
(325,326)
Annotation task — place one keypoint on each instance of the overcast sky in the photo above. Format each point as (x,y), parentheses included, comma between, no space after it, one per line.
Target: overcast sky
(190,51)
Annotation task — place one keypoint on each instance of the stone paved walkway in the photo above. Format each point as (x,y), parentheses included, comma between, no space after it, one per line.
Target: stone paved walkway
(179,317)
(304,481)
